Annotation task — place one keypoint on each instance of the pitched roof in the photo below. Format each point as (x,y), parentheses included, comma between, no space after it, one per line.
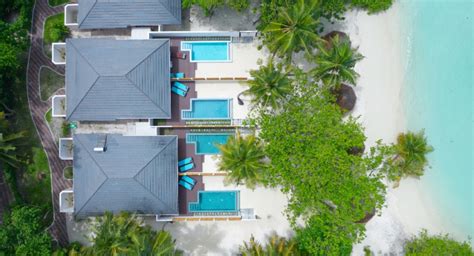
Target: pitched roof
(135,174)
(97,14)
(110,79)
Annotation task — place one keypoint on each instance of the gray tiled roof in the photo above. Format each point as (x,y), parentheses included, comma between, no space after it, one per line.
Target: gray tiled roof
(135,174)
(97,14)
(110,79)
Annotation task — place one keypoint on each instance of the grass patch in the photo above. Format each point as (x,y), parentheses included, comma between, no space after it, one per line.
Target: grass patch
(37,180)
(54,31)
(50,82)
(68,172)
(49,116)
(57,2)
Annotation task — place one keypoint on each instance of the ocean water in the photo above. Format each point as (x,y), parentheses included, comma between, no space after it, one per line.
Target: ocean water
(438,95)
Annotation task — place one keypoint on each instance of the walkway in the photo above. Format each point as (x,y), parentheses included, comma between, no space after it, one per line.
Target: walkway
(38,108)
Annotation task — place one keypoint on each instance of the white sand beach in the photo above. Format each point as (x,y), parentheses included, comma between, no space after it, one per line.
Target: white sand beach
(379,105)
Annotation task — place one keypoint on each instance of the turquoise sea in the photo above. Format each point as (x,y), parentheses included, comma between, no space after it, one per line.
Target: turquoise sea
(438,94)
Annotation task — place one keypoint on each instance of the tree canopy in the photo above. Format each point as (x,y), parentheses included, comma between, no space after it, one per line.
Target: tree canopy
(269,86)
(23,233)
(276,246)
(426,245)
(124,234)
(408,156)
(243,159)
(335,64)
(293,29)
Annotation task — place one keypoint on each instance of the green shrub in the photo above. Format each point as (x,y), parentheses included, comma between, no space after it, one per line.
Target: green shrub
(54,29)
(423,244)
(238,5)
(57,2)
(65,129)
(372,6)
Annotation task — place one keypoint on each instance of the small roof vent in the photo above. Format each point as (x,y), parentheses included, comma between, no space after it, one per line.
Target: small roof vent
(101,145)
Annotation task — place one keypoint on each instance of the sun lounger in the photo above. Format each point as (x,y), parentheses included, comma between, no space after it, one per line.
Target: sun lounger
(188,180)
(177,75)
(186,168)
(185,161)
(178,91)
(181,86)
(185,185)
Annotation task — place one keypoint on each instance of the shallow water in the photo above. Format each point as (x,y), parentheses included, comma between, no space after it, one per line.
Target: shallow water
(438,95)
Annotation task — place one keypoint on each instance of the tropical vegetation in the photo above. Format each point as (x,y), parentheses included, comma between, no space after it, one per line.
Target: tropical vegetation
(408,156)
(125,234)
(293,29)
(209,6)
(427,245)
(269,86)
(243,158)
(276,246)
(23,232)
(328,186)
(8,154)
(54,29)
(335,63)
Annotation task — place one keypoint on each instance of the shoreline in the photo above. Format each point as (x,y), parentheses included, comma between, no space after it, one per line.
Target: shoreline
(380,108)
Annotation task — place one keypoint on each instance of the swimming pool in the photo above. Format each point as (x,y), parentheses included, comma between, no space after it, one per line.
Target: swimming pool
(207,51)
(206,143)
(208,109)
(216,201)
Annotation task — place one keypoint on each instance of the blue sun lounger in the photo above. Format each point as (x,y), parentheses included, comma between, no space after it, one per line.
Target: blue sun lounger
(181,86)
(177,75)
(186,168)
(178,91)
(185,185)
(185,161)
(188,180)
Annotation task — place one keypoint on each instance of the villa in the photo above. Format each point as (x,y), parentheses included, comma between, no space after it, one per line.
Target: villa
(105,14)
(147,112)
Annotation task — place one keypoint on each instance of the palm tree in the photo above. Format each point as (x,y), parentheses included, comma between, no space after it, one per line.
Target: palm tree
(409,156)
(111,234)
(335,64)
(269,86)
(243,159)
(8,154)
(150,242)
(294,29)
(277,246)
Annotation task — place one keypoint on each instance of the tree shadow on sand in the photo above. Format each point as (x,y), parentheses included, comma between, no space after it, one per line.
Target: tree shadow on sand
(200,239)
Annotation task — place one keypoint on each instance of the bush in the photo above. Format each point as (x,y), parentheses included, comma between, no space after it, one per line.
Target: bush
(23,233)
(238,5)
(372,6)
(423,244)
(54,29)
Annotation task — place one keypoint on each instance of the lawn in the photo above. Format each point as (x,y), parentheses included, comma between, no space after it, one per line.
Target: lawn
(50,82)
(49,116)
(57,2)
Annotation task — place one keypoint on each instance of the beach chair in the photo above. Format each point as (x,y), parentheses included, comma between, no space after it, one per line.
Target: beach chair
(185,161)
(185,185)
(178,91)
(179,75)
(186,168)
(188,180)
(181,86)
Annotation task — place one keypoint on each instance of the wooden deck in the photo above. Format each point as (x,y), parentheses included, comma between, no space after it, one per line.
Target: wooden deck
(38,108)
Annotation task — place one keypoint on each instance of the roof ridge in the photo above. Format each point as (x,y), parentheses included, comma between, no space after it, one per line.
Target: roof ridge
(168,9)
(90,10)
(135,85)
(153,158)
(90,88)
(100,168)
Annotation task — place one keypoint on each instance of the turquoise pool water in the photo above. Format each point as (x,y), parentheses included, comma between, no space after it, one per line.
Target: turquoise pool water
(212,51)
(203,109)
(206,142)
(216,201)
(439,97)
